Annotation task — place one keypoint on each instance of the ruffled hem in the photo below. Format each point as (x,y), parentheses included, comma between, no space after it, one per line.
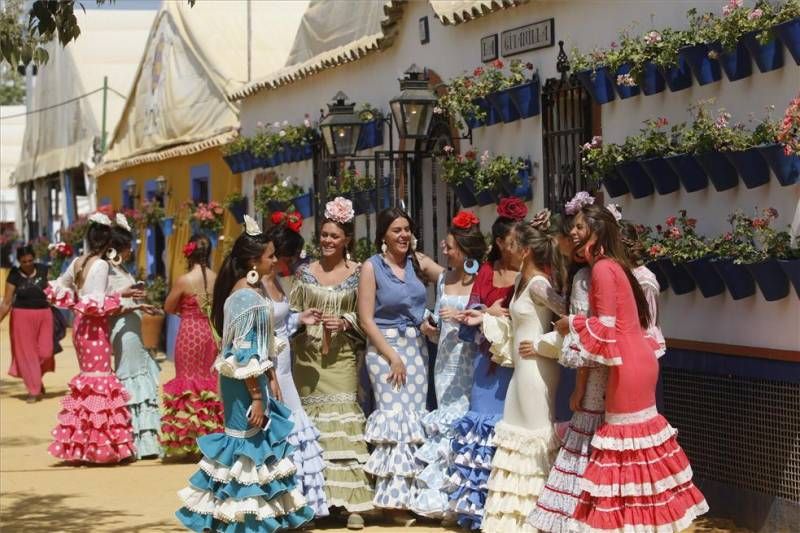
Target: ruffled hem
(595,341)
(146,444)
(506,523)
(89,306)
(440,421)
(191,410)
(347,485)
(235,510)
(391,427)
(143,385)
(393,492)
(634,436)
(428,502)
(472,444)
(393,460)
(250,524)
(307,456)
(231,368)
(341,430)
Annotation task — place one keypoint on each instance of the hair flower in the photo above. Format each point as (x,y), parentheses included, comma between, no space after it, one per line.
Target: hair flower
(465,220)
(340,210)
(541,220)
(100,218)
(189,248)
(581,199)
(615,210)
(512,208)
(293,220)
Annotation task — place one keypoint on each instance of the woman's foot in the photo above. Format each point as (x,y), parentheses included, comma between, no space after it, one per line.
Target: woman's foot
(355,521)
(32,399)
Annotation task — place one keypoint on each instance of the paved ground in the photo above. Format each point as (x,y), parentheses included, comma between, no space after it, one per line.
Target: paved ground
(39,494)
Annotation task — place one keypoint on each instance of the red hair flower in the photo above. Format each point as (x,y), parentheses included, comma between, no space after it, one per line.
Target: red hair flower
(512,208)
(465,220)
(189,248)
(293,220)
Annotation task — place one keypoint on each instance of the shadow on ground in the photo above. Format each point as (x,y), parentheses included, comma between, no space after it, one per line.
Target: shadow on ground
(717,525)
(8,442)
(24,512)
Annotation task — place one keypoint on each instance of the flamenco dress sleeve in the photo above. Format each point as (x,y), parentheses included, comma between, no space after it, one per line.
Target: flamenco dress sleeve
(595,336)
(549,343)
(248,341)
(570,356)
(653,334)
(61,291)
(94,299)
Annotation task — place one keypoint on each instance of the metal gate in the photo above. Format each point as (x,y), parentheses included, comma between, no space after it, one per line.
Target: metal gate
(566,125)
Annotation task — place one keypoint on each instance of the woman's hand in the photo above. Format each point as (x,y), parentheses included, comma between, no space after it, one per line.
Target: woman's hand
(133,292)
(334,324)
(310,317)
(429,330)
(562,325)
(471,317)
(526,350)
(256,417)
(497,309)
(274,386)
(397,372)
(149,309)
(450,314)
(576,399)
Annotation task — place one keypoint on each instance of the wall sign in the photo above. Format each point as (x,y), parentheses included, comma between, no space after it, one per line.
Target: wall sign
(424,31)
(489,48)
(528,37)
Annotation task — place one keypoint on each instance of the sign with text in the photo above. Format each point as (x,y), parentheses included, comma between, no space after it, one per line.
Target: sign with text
(489,48)
(528,37)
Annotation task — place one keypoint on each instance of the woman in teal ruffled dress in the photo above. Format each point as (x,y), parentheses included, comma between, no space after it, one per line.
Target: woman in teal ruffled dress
(246,480)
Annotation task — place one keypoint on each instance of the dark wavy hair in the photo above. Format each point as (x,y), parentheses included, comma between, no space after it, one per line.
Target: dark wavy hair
(27,249)
(634,246)
(287,243)
(470,241)
(384,220)
(98,238)
(120,238)
(500,230)
(245,250)
(200,256)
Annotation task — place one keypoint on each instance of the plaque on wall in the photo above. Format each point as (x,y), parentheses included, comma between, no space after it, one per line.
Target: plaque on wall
(529,37)
(489,48)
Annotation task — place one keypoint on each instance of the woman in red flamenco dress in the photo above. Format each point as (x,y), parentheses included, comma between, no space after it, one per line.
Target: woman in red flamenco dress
(638,477)
(94,425)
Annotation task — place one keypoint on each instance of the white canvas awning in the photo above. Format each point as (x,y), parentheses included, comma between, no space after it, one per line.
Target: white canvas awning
(12,130)
(458,11)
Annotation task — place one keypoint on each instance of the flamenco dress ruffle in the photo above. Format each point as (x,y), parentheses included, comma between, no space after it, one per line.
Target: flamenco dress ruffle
(191,409)
(307,457)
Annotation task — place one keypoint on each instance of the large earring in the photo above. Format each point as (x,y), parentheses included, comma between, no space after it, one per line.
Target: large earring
(413,243)
(252,276)
(113,257)
(471,266)
(346,257)
(384,248)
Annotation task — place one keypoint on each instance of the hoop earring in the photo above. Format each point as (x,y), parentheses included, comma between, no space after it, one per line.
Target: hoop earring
(346,257)
(384,248)
(117,261)
(413,244)
(111,254)
(252,276)
(471,266)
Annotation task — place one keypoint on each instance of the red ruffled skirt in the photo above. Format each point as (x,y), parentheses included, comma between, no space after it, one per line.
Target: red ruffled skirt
(191,409)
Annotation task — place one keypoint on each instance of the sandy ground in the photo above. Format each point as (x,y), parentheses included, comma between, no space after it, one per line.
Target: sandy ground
(38,493)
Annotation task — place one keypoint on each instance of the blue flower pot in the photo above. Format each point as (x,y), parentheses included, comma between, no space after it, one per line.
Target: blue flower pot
(371,135)
(212,237)
(678,77)
(692,176)
(241,162)
(785,167)
(167,226)
(705,275)
(652,80)
(525,189)
(526,98)
(492,116)
(767,56)
(276,205)
(615,184)
(465,195)
(751,166)
(304,204)
(598,83)
(238,210)
(789,34)
(679,278)
(704,69)
(639,183)
(665,180)
(486,197)
(791,267)
(735,63)
(737,278)
(625,91)
(720,171)
(771,279)
(472,122)
(503,106)
(663,282)
(307,151)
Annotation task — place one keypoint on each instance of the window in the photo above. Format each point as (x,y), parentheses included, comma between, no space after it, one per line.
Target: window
(201,177)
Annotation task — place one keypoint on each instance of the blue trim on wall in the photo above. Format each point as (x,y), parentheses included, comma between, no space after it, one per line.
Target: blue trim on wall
(105,200)
(200,174)
(731,365)
(68,198)
(150,189)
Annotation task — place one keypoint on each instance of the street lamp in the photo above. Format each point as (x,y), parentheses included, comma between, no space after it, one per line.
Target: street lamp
(161,185)
(413,108)
(341,127)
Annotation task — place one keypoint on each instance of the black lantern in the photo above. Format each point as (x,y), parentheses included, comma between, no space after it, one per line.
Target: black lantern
(413,108)
(161,185)
(341,127)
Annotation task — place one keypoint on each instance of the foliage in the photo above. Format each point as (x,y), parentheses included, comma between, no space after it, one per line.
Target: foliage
(232,198)
(155,292)
(278,190)
(76,232)
(367,113)
(458,168)
(364,249)
(269,139)
(736,21)
(592,60)
(766,131)
(679,241)
(497,170)
(310,249)
(12,86)
(237,146)
(206,216)
(41,248)
(152,212)
(789,131)
(753,239)
(708,133)
(788,11)
(59,252)
(598,160)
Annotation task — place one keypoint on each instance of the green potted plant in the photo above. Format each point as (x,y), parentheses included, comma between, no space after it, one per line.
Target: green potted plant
(733,250)
(658,143)
(279,194)
(371,133)
(783,153)
(787,27)
(459,171)
(364,249)
(236,203)
(599,165)
(153,325)
(684,256)
(495,175)
(593,73)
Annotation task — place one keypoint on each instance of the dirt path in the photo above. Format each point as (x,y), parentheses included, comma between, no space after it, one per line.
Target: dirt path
(39,494)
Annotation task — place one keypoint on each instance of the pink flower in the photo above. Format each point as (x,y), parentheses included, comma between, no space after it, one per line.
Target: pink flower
(478,71)
(581,199)
(448,149)
(728,236)
(755,14)
(652,38)
(674,233)
(771,212)
(656,250)
(671,221)
(485,157)
(661,122)
(626,80)
(691,222)
(340,210)
(597,141)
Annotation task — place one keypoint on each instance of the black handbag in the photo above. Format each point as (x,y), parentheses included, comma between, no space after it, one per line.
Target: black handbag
(59,329)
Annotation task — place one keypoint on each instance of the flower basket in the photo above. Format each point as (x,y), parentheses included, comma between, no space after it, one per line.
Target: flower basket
(736,63)
(304,204)
(751,166)
(678,77)
(615,185)
(719,170)
(465,192)
(371,135)
(652,80)
(704,69)
(737,278)
(692,176)
(663,282)
(167,226)
(665,180)
(525,98)
(503,106)
(789,34)
(771,279)
(277,205)
(705,275)
(241,162)
(768,56)
(639,183)
(238,210)
(791,267)
(486,197)
(679,279)
(598,83)
(625,91)
(152,326)
(785,167)
(492,117)
(524,189)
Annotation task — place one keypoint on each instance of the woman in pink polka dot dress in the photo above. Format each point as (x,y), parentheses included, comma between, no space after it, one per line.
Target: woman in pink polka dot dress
(94,425)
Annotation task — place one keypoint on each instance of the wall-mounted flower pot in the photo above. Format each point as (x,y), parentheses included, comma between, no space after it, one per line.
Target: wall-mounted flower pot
(492,117)
(751,166)
(598,83)
(639,183)
(238,210)
(785,167)
(663,282)
(385,200)
(526,97)
(625,91)
(472,122)
(771,279)
(720,171)
(615,185)
(304,204)
(736,63)
(167,226)
(652,80)
(503,106)
(465,195)
(525,189)
(768,56)
(791,267)
(486,197)
(276,205)
(371,135)
(789,34)
(705,275)
(737,278)
(308,151)
(665,180)
(704,69)
(679,279)
(692,176)
(678,77)
(241,162)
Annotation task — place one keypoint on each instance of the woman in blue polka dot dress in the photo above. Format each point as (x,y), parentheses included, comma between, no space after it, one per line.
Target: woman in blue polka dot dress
(391,307)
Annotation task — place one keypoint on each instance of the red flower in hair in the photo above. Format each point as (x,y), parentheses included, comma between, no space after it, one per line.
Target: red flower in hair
(512,208)
(189,248)
(465,220)
(293,220)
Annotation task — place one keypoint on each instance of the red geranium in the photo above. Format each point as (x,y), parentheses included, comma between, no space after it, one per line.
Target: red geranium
(465,220)
(512,208)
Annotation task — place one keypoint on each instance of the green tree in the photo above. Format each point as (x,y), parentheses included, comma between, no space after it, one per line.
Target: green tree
(12,86)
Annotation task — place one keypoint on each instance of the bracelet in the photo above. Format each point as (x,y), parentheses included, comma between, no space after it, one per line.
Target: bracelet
(257,397)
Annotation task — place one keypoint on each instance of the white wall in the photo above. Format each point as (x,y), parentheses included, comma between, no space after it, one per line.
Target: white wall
(585,24)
